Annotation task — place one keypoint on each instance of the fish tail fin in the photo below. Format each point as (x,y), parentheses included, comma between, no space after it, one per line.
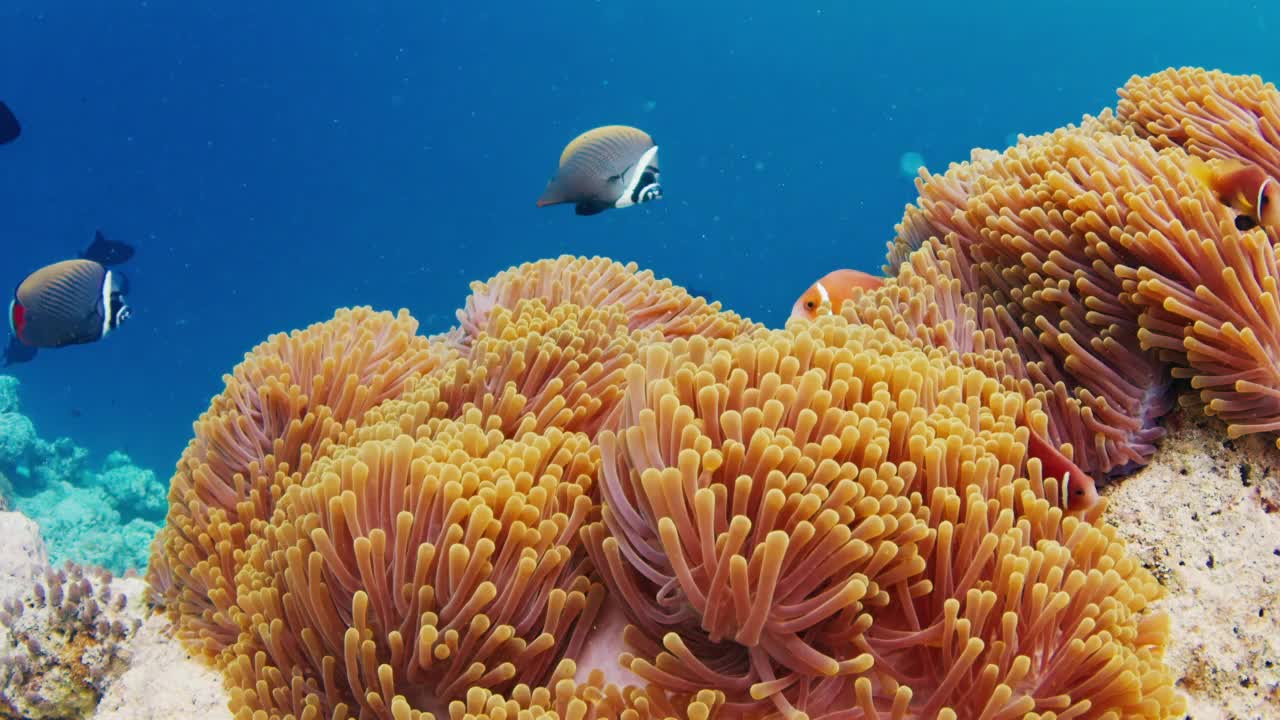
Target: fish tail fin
(107,252)
(17,352)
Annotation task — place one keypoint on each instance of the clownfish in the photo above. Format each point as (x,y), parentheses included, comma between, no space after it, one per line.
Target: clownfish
(835,287)
(614,166)
(1245,188)
(71,302)
(1079,493)
(9,127)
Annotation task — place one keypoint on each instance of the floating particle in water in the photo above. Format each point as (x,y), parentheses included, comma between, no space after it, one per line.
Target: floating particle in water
(910,163)
(650,105)
(759,165)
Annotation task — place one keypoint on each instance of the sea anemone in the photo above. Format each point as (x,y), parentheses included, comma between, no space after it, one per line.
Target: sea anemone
(647,301)
(292,395)
(802,521)
(403,574)
(1208,113)
(531,369)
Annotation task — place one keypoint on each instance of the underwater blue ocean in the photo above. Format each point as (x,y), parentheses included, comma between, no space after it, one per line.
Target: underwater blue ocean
(271,162)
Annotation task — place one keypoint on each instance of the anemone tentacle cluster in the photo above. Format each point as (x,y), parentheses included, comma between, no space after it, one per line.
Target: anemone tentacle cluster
(290,397)
(869,515)
(1095,252)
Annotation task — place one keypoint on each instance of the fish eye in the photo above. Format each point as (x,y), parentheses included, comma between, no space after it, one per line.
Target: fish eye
(811,304)
(1245,222)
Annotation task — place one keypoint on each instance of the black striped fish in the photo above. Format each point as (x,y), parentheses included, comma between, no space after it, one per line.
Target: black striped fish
(614,166)
(71,302)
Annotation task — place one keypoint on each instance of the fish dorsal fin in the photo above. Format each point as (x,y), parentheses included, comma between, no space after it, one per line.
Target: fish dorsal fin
(107,252)
(1201,171)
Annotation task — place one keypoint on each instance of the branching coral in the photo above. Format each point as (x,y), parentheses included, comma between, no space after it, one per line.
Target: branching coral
(418,570)
(290,397)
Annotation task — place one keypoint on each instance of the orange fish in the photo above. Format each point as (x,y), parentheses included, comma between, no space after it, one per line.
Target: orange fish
(835,287)
(1079,493)
(1245,188)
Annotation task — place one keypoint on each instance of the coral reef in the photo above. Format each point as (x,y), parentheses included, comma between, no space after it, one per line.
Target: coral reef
(9,401)
(448,550)
(55,660)
(104,518)
(601,497)
(62,642)
(133,491)
(17,439)
(82,524)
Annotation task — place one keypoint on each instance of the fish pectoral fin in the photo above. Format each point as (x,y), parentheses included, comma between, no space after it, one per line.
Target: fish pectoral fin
(622,175)
(589,207)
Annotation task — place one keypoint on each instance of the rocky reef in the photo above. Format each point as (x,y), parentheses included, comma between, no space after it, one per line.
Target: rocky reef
(77,643)
(1204,516)
(103,517)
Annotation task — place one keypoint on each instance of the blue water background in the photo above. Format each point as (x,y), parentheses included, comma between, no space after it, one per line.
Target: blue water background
(273,161)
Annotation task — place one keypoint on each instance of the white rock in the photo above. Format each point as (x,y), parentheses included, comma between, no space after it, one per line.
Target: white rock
(163,682)
(1203,517)
(22,554)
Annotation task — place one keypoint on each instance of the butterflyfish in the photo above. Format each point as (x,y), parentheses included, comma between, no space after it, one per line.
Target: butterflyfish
(614,166)
(71,302)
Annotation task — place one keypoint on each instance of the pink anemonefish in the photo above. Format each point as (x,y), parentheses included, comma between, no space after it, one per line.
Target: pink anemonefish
(71,302)
(1079,493)
(1243,187)
(835,287)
